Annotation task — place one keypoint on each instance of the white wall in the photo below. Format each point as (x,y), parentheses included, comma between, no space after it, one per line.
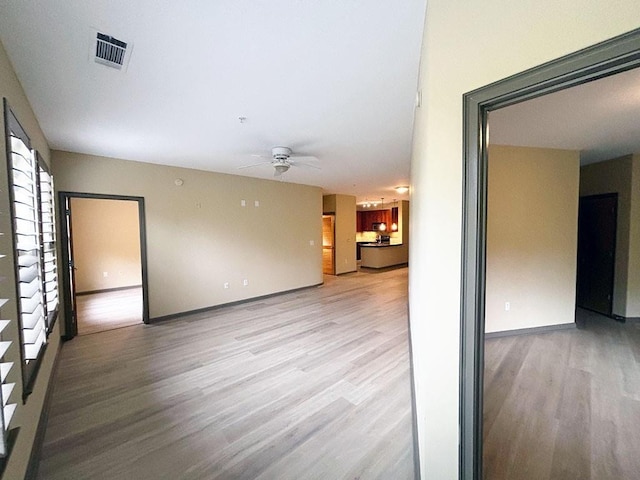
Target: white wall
(468,45)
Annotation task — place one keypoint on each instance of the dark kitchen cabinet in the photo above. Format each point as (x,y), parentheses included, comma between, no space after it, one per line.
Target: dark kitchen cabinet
(366,218)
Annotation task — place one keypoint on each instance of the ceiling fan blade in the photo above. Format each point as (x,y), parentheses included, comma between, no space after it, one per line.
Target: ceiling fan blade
(254,165)
(306,165)
(304,158)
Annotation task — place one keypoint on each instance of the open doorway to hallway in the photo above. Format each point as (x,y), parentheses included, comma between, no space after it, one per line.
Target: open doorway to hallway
(103,241)
(105,235)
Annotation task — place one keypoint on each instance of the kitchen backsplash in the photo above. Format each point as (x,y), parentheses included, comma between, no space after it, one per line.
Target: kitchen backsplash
(371,237)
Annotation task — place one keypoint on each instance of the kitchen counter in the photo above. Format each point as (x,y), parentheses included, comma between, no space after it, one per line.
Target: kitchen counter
(381,255)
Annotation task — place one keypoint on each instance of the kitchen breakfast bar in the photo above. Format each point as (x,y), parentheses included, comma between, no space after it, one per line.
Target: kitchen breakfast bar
(382,255)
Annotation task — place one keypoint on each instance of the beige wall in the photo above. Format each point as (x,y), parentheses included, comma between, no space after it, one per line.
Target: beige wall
(616,176)
(532,225)
(468,45)
(106,239)
(344,207)
(199,237)
(27,415)
(633,285)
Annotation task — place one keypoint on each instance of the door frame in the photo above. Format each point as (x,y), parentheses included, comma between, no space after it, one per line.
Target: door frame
(71,326)
(612,279)
(604,59)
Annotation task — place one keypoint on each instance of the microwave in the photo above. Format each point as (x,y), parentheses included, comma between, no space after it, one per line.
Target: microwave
(375,226)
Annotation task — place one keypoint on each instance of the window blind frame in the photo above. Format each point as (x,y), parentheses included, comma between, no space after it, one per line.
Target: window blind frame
(29,367)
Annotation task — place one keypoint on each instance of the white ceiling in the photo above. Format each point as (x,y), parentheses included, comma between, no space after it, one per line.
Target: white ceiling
(335,79)
(601,119)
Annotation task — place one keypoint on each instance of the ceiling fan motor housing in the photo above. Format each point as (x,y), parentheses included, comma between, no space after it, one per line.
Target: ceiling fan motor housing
(281,153)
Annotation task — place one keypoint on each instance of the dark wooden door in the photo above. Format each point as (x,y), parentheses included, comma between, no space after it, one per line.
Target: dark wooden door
(597,223)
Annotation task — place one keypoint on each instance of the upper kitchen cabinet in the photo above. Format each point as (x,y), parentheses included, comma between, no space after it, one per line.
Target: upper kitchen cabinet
(366,219)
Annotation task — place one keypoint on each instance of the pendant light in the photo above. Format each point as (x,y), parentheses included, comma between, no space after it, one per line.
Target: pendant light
(394,225)
(383,226)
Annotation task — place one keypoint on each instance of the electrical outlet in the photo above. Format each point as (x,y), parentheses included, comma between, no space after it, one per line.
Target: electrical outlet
(507,306)
(105,274)
(257,203)
(226,284)
(243,203)
(245,282)
(312,243)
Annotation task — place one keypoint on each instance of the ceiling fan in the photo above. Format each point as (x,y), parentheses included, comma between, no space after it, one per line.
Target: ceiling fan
(283,159)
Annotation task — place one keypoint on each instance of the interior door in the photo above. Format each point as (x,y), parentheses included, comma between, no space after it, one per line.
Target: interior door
(597,224)
(71,325)
(328,244)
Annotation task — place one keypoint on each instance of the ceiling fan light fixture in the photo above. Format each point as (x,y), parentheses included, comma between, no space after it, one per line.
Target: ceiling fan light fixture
(281,168)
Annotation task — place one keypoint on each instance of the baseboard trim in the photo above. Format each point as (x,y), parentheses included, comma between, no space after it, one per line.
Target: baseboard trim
(38,441)
(105,290)
(621,319)
(531,331)
(346,273)
(384,269)
(173,316)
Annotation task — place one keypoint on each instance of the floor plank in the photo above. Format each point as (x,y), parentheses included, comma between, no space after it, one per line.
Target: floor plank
(97,312)
(564,405)
(311,384)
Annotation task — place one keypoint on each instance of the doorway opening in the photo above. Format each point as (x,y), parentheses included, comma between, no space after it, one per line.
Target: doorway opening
(104,250)
(597,230)
(614,56)
(328,244)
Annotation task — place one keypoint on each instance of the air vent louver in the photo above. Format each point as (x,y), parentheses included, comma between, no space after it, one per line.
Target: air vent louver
(110,51)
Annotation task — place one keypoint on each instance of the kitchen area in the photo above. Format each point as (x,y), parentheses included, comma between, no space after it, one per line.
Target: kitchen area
(382,234)
(365,235)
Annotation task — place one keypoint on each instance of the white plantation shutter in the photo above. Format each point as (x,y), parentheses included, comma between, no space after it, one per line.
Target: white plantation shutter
(6,387)
(48,243)
(31,197)
(23,177)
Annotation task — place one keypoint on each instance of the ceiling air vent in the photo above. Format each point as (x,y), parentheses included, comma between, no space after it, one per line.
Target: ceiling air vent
(110,51)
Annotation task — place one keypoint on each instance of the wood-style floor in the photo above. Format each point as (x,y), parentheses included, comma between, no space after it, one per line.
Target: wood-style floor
(308,385)
(97,312)
(564,405)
